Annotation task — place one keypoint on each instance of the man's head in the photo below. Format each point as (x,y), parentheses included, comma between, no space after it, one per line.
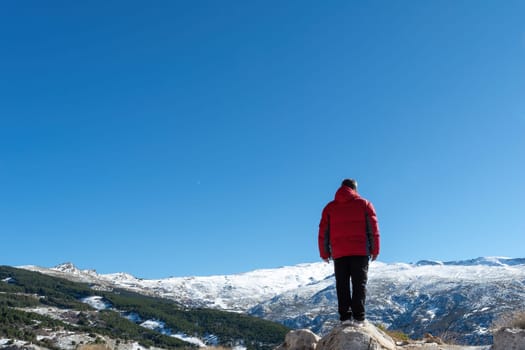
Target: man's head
(350,183)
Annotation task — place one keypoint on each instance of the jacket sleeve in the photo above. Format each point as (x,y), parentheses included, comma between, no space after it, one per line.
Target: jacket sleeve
(324,235)
(372,229)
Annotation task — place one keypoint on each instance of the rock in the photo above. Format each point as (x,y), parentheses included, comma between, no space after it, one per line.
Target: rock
(429,338)
(301,339)
(509,339)
(367,337)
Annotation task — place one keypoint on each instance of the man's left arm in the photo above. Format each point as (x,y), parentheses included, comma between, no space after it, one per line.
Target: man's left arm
(373,227)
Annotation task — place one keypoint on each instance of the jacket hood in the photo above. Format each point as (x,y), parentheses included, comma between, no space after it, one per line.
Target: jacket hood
(345,194)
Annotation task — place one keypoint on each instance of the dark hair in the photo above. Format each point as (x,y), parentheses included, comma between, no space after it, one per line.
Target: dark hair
(350,183)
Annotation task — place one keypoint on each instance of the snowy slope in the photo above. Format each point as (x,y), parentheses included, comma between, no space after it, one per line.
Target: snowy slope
(232,292)
(229,292)
(457,299)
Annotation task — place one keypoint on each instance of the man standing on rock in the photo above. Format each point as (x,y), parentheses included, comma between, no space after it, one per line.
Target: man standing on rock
(349,234)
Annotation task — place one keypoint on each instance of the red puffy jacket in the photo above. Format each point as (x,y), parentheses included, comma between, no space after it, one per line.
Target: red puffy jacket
(348,226)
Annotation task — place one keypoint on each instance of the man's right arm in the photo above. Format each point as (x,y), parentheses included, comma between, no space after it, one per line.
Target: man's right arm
(324,236)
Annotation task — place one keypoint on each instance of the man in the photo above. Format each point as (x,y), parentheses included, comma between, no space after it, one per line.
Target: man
(349,234)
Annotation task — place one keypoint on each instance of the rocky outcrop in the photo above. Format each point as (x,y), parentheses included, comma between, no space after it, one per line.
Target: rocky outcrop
(509,339)
(301,339)
(369,337)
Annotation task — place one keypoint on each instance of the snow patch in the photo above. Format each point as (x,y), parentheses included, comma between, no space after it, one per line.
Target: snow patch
(133,317)
(156,325)
(97,302)
(482,330)
(191,340)
(432,313)
(137,346)
(160,327)
(4,342)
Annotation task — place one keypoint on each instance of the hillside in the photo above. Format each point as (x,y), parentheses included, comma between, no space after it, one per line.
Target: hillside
(44,310)
(456,300)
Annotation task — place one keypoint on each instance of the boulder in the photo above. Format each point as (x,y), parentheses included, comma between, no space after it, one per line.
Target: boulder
(509,339)
(367,337)
(300,339)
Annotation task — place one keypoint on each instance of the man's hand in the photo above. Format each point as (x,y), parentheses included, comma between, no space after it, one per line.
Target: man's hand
(374,257)
(327,260)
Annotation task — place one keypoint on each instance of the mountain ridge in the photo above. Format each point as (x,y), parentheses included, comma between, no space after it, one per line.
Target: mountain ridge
(71,268)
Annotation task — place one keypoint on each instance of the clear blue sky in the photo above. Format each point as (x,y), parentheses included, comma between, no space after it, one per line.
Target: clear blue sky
(176,138)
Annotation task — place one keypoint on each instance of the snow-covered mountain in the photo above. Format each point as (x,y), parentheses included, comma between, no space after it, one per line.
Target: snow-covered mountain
(458,299)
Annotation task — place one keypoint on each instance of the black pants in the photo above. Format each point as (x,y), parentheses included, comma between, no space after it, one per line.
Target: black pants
(352,269)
